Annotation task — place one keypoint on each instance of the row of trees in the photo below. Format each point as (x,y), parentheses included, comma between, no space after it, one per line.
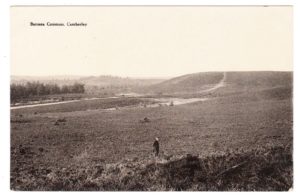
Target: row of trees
(30,89)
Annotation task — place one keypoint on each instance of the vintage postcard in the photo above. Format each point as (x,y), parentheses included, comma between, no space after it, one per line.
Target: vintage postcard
(151,98)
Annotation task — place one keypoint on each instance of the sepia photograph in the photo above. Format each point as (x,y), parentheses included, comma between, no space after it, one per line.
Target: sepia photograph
(151,98)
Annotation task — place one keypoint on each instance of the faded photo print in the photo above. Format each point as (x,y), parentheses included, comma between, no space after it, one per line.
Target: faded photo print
(151,98)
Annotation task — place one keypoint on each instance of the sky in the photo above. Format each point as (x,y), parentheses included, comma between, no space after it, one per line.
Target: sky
(154,41)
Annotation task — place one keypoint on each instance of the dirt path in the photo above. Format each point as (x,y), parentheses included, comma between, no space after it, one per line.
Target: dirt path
(219,85)
(55,103)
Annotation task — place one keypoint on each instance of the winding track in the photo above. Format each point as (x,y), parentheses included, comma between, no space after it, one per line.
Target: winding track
(55,103)
(219,85)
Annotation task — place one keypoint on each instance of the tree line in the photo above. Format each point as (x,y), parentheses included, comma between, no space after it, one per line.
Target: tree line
(30,89)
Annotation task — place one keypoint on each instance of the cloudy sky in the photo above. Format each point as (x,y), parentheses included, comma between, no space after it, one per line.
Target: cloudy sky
(150,41)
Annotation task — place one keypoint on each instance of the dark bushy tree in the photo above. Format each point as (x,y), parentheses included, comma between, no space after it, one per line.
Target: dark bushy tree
(21,91)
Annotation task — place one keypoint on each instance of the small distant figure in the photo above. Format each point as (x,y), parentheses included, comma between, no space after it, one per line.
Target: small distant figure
(156,147)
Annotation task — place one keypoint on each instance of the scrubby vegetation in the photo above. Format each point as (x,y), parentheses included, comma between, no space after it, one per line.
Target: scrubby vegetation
(262,169)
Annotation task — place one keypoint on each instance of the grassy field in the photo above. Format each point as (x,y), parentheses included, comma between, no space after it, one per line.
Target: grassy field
(112,150)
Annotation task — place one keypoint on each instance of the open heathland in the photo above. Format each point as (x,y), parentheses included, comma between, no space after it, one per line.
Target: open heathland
(238,138)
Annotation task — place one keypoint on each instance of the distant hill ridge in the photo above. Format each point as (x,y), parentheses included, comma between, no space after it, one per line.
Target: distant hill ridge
(205,80)
(103,80)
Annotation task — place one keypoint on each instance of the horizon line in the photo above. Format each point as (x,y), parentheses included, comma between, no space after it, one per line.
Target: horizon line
(138,77)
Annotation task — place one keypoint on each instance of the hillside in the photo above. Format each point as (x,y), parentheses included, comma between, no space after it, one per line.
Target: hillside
(259,79)
(230,81)
(187,83)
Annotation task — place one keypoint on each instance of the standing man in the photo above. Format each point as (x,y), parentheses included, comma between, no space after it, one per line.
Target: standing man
(156,147)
